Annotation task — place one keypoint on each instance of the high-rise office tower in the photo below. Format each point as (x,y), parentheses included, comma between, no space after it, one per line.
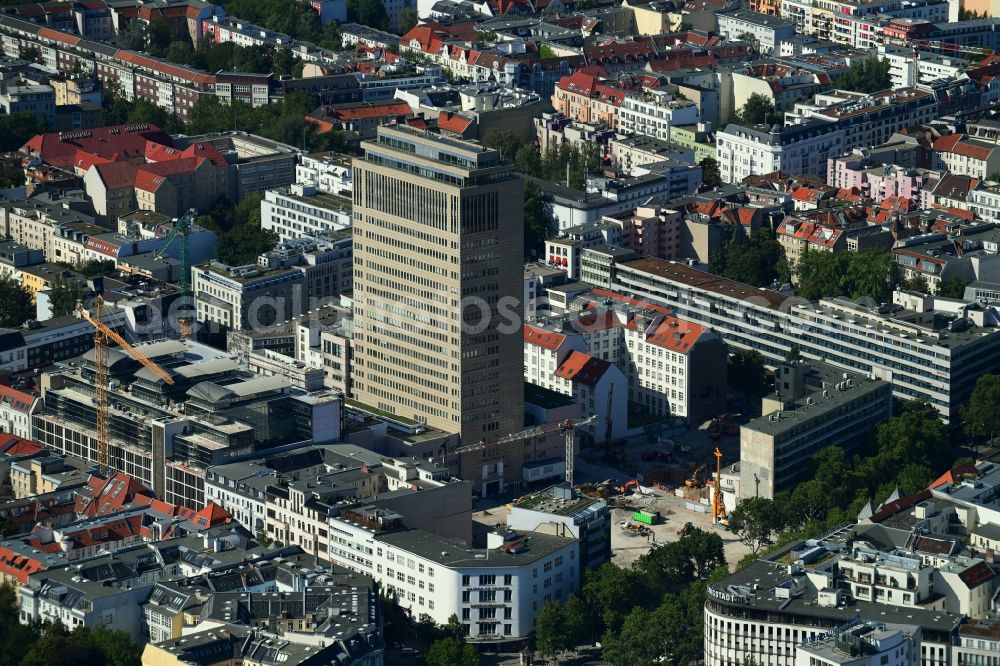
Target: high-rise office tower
(438,264)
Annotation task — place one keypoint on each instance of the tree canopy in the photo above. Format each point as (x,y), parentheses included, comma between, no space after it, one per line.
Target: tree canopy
(757,261)
(747,373)
(981,415)
(16,306)
(35,644)
(241,239)
(869,273)
(865,76)
(758,110)
(710,173)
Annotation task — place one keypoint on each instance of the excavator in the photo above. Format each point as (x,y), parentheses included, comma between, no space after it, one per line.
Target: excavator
(695,480)
(627,486)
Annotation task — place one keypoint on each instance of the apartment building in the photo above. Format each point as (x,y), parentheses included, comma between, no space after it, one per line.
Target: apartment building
(801,149)
(561,510)
(814,406)
(438,222)
(672,366)
(584,98)
(325,172)
(870,120)
(967,156)
(302,210)
(496,592)
(765,31)
(654,113)
(16,410)
(566,250)
(777,611)
(927,350)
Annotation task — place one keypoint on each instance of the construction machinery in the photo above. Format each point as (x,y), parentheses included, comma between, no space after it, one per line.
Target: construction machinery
(628,485)
(182,229)
(102,334)
(718,506)
(568,427)
(695,481)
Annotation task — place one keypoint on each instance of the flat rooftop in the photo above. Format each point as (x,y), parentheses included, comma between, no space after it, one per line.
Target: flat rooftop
(693,277)
(454,553)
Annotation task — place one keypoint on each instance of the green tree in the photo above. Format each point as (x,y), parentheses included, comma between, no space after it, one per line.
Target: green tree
(96,267)
(953,287)
(17,128)
(368,12)
(16,306)
(705,550)
(758,110)
(672,633)
(15,638)
(747,373)
(64,295)
(918,284)
(160,34)
(710,173)
(450,651)
(868,273)
(406,19)
(132,36)
(610,592)
(981,415)
(527,161)
(116,646)
(453,627)
(503,140)
(537,220)
(754,520)
(866,76)
(758,261)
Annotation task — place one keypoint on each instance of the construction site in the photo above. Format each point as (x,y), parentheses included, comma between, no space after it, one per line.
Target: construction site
(668,489)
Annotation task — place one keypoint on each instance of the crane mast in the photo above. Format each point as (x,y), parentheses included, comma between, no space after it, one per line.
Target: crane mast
(569,428)
(182,229)
(102,335)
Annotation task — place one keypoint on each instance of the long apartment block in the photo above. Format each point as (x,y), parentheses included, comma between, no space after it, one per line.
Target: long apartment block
(926,354)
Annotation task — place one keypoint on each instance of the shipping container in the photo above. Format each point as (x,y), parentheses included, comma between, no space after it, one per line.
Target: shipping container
(646,517)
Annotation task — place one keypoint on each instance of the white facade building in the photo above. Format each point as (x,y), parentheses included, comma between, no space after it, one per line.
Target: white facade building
(325,172)
(654,113)
(303,210)
(496,593)
(800,149)
(768,32)
(16,409)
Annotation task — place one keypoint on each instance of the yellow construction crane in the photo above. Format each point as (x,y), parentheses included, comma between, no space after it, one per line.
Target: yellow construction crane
(718,507)
(102,334)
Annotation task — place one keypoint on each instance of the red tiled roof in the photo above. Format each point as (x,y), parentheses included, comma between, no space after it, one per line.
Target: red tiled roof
(100,144)
(150,176)
(371,111)
(18,400)
(956,474)
(583,368)
(453,122)
(976,575)
(542,338)
(14,446)
(59,36)
(18,566)
(212,515)
(103,496)
(892,508)
(117,175)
